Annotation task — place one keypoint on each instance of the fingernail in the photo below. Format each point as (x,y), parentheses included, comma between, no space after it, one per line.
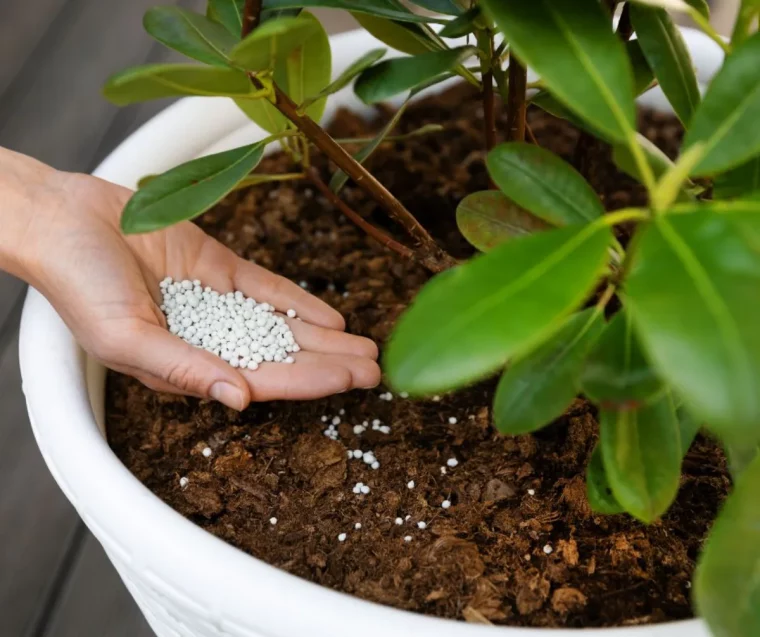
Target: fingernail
(228,395)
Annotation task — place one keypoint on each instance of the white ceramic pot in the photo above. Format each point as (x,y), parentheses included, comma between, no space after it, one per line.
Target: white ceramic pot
(186,581)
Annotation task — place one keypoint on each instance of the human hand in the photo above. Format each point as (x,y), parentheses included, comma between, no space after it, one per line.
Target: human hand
(105,287)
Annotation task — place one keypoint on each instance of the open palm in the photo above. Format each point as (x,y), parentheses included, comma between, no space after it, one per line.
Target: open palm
(105,286)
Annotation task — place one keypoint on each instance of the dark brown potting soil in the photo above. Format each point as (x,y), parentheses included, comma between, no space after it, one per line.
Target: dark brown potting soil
(519,544)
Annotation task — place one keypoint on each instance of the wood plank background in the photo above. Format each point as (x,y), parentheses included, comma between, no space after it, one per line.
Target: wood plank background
(55,580)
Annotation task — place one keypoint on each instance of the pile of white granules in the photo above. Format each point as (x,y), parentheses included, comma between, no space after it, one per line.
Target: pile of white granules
(236,328)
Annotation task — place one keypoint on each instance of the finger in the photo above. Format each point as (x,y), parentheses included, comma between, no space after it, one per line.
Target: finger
(320,339)
(312,376)
(151,382)
(255,281)
(193,371)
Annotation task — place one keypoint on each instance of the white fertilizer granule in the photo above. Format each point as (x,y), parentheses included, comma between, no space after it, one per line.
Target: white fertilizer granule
(232,326)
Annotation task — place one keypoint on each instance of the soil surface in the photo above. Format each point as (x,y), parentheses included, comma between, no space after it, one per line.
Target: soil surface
(519,544)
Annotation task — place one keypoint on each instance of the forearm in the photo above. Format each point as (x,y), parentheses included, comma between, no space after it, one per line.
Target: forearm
(26,193)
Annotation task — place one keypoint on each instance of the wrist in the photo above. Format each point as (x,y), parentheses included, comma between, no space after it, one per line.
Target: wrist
(26,194)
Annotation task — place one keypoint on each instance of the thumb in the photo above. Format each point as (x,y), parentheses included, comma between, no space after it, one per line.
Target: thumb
(189,369)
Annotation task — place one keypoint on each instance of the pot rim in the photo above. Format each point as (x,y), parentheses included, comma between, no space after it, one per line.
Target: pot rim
(146,539)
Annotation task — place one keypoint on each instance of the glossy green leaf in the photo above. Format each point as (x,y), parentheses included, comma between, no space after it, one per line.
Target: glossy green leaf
(467,322)
(669,58)
(488,218)
(689,427)
(738,182)
(726,122)
(643,76)
(727,587)
(449,7)
(191,34)
(539,181)
(642,80)
(570,44)
(273,41)
(345,78)
(155,81)
(339,179)
(304,72)
(598,489)
(406,37)
(641,452)
(692,295)
(463,25)
(379,8)
(538,388)
(229,13)
(617,375)
(389,78)
(188,190)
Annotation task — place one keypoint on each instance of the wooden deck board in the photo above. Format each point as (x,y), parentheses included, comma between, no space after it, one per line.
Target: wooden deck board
(37,521)
(94,602)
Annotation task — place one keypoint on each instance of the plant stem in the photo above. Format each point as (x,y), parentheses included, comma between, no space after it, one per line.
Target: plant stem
(371,230)
(251,16)
(531,136)
(485,42)
(623,215)
(427,129)
(704,24)
(516,104)
(431,254)
(343,160)
(261,178)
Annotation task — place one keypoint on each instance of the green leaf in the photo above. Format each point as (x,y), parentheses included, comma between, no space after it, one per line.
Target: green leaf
(570,44)
(468,321)
(598,489)
(617,375)
(488,218)
(740,456)
(392,77)
(641,451)
(304,72)
(688,427)
(155,81)
(344,79)
(379,8)
(692,296)
(229,13)
(738,182)
(669,58)
(539,181)
(463,25)
(448,7)
(537,389)
(727,587)
(643,76)
(406,37)
(188,190)
(273,41)
(191,34)
(726,122)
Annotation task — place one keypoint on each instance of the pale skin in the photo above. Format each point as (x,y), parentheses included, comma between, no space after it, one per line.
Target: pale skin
(60,233)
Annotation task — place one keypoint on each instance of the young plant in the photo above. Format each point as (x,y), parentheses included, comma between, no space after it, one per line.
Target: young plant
(682,351)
